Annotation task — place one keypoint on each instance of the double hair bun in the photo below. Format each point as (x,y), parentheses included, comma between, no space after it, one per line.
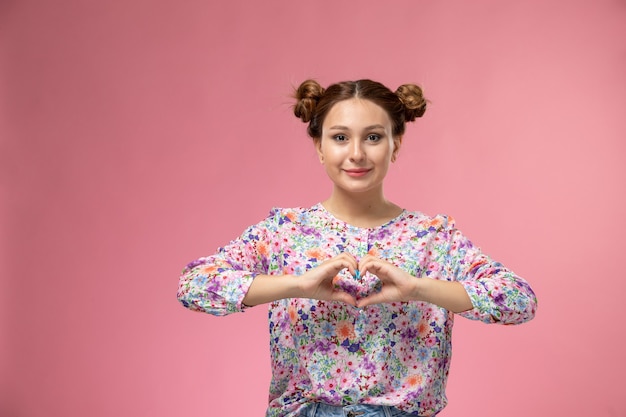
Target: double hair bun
(309,93)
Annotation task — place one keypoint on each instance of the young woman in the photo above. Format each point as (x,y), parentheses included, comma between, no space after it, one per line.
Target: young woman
(362,293)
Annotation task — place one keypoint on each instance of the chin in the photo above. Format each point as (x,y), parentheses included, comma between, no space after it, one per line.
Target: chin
(356,190)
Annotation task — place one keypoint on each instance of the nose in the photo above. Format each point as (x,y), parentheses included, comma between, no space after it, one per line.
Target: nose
(356,151)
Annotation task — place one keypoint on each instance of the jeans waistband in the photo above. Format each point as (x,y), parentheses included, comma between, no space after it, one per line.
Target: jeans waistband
(355,410)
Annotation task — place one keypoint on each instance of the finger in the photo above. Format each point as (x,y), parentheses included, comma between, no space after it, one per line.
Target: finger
(348,261)
(337,264)
(341,264)
(346,255)
(373,266)
(376,298)
(344,297)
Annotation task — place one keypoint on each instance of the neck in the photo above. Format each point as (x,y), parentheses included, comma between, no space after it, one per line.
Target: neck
(368,209)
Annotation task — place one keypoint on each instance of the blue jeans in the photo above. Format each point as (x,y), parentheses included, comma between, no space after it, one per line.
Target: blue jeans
(356,410)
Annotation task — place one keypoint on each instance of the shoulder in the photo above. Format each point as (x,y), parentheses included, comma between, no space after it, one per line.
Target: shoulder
(301,216)
(288,213)
(423,221)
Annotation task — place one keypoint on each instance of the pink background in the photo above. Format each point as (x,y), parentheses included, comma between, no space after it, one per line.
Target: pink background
(138,135)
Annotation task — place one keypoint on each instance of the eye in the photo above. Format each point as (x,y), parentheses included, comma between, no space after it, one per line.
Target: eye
(373,137)
(340,138)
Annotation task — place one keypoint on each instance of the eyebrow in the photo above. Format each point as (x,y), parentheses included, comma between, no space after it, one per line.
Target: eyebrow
(339,127)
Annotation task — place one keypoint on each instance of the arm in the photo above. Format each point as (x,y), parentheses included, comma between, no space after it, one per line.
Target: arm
(267,288)
(212,285)
(399,285)
(467,282)
(242,275)
(218,283)
(498,295)
(447,294)
(317,283)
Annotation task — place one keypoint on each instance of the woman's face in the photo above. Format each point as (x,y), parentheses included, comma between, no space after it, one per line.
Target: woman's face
(357,145)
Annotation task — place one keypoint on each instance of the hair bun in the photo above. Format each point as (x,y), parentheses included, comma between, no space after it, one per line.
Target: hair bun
(307,96)
(412,97)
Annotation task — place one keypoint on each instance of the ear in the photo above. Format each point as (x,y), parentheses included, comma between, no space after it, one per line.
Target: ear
(318,147)
(397,141)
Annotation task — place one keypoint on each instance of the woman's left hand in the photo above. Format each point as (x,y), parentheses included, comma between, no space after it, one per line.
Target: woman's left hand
(397,284)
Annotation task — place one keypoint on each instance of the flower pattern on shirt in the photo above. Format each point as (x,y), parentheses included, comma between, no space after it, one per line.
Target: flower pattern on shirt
(395,354)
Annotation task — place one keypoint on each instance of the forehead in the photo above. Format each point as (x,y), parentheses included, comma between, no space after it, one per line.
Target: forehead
(355,113)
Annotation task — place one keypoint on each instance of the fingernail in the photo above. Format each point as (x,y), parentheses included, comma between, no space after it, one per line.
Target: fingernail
(358,274)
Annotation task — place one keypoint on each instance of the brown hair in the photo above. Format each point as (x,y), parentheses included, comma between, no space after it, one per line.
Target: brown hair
(313,102)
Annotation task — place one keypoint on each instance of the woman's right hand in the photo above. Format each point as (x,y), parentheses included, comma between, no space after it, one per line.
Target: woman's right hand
(318,283)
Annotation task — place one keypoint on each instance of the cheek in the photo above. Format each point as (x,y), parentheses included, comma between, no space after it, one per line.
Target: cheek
(383,155)
(332,154)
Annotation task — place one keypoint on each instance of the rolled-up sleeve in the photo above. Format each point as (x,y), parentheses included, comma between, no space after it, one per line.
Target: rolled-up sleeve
(498,295)
(217,284)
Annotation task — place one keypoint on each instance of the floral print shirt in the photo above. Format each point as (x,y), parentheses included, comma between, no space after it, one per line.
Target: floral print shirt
(395,354)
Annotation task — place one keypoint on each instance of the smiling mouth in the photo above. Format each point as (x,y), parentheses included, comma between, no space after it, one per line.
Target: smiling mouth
(356,172)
